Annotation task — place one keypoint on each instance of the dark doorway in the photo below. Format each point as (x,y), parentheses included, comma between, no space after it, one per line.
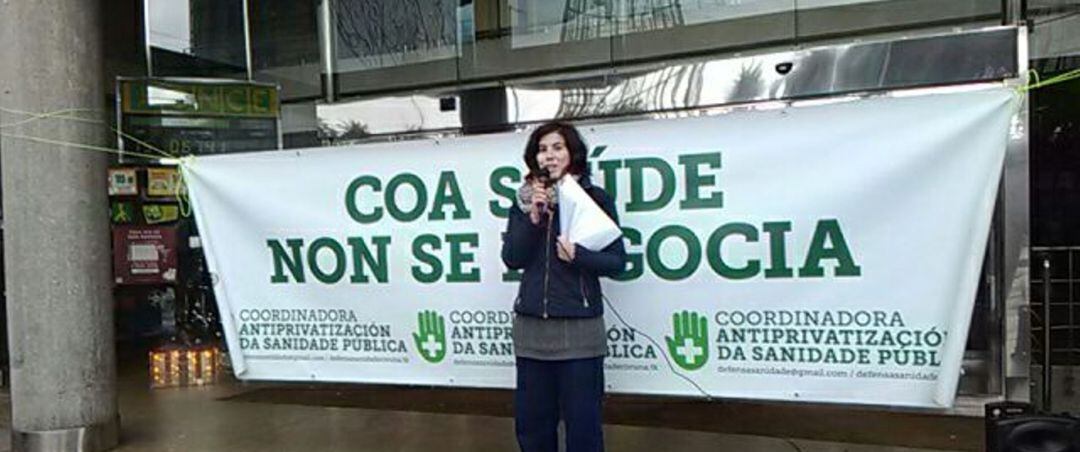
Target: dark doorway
(1055,212)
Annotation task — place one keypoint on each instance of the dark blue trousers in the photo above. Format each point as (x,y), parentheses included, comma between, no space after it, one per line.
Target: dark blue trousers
(571,390)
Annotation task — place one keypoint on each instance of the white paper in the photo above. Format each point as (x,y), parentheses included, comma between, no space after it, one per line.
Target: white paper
(581,220)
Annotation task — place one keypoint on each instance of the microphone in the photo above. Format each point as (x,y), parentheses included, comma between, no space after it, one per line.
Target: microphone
(544,177)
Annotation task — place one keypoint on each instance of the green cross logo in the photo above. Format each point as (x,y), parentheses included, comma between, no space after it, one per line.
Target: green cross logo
(689,346)
(430,336)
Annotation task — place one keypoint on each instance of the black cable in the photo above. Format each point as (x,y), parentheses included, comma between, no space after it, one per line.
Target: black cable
(663,351)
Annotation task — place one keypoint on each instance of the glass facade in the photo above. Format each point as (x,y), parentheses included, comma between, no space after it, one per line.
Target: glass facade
(196,38)
(360,70)
(1053,26)
(285,46)
(371,48)
(504,40)
(374,34)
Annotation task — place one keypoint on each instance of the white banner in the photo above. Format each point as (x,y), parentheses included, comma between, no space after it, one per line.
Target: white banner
(827,253)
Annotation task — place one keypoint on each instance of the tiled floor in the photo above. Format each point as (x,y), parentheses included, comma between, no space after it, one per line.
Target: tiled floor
(185,420)
(195,420)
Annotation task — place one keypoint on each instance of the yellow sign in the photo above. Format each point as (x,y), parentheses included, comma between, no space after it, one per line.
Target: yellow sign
(199,99)
(160,213)
(162,182)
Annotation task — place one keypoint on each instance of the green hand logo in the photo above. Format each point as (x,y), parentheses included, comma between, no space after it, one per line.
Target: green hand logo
(430,336)
(690,346)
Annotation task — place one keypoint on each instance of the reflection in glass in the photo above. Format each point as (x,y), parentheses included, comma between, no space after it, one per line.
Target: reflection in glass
(542,22)
(285,46)
(1053,7)
(350,121)
(169,26)
(819,18)
(685,86)
(664,89)
(812,72)
(382,33)
(1053,25)
(197,38)
(218,31)
(545,22)
(283,33)
(586,19)
(157,96)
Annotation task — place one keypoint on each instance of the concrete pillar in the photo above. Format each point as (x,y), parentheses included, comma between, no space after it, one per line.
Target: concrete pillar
(56,230)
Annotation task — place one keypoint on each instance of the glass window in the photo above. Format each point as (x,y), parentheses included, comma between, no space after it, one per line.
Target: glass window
(380,33)
(825,18)
(393,44)
(537,22)
(1038,8)
(516,38)
(285,46)
(1053,26)
(169,25)
(197,38)
(350,121)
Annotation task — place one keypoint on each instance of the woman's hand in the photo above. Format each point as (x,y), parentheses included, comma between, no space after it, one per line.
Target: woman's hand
(566,249)
(539,202)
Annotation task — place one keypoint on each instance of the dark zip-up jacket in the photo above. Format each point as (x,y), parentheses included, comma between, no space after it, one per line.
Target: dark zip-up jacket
(551,287)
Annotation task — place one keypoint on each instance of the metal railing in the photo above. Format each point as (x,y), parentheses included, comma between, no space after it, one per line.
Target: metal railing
(1055,311)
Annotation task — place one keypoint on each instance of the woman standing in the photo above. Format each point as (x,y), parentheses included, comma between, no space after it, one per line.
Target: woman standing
(559,335)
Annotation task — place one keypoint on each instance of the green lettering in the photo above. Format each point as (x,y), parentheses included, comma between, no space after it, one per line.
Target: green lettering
(693,252)
(635,268)
(448,192)
(503,190)
(428,258)
(362,258)
(282,260)
(350,199)
(511,275)
(339,260)
(715,256)
(610,169)
(391,199)
(829,231)
(778,267)
(695,181)
(459,257)
(637,168)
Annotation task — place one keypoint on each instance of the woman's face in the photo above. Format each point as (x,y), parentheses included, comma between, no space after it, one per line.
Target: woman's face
(553,155)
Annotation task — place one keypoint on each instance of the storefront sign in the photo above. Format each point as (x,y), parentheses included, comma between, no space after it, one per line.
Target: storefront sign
(184,98)
(184,117)
(160,213)
(162,182)
(827,253)
(123,182)
(144,254)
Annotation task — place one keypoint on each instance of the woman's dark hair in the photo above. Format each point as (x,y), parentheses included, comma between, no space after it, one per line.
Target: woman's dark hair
(574,143)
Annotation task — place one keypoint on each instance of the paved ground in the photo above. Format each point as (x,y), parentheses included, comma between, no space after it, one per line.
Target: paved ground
(238,417)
